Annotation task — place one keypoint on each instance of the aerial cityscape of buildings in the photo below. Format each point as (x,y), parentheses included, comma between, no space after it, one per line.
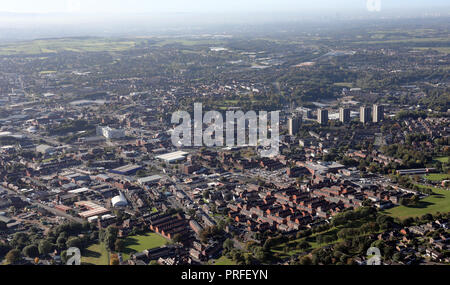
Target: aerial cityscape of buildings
(88,161)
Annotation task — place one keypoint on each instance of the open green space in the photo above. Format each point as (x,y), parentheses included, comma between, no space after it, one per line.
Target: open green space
(412,40)
(444,159)
(438,202)
(66,44)
(445,50)
(311,241)
(344,84)
(437,177)
(96,254)
(188,42)
(224,261)
(46,72)
(142,242)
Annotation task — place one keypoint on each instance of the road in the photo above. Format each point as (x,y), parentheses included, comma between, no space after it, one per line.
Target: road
(50,209)
(36,137)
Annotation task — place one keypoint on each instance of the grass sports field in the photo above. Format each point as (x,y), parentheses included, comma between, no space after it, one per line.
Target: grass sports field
(95,255)
(139,243)
(439,202)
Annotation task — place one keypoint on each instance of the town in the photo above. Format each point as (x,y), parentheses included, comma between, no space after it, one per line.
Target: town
(87,158)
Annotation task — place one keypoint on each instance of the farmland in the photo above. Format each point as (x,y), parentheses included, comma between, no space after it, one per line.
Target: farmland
(52,46)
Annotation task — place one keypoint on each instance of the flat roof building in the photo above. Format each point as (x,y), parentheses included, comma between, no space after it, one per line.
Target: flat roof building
(149,180)
(127,169)
(173,156)
(92,209)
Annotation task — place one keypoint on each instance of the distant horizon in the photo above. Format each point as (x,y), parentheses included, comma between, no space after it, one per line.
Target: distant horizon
(132,7)
(32,21)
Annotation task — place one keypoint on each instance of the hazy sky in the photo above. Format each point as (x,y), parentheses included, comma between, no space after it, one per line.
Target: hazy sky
(202,6)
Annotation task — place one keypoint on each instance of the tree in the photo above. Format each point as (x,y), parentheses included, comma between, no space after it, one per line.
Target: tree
(2,226)
(64,256)
(210,232)
(45,247)
(141,173)
(397,257)
(114,259)
(61,242)
(228,244)
(177,238)
(74,242)
(31,251)
(20,240)
(304,245)
(4,248)
(305,260)
(427,217)
(111,237)
(119,245)
(13,256)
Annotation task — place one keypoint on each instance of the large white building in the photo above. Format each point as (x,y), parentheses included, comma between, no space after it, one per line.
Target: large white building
(119,201)
(110,133)
(173,156)
(45,149)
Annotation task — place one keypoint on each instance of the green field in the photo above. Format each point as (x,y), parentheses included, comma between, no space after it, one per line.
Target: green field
(45,72)
(444,159)
(437,177)
(95,255)
(411,40)
(224,261)
(187,42)
(445,50)
(439,202)
(344,84)
(142,242)
(68,44)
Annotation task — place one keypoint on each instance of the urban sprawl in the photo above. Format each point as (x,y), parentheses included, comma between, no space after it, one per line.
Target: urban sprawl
(87,159)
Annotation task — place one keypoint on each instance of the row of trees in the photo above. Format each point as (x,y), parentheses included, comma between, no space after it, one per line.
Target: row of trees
(60,238)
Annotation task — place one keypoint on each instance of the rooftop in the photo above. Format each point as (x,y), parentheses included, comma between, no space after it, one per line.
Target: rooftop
(174,156)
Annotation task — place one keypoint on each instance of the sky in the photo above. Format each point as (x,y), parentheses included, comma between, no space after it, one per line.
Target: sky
(203,6)
(25,19)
